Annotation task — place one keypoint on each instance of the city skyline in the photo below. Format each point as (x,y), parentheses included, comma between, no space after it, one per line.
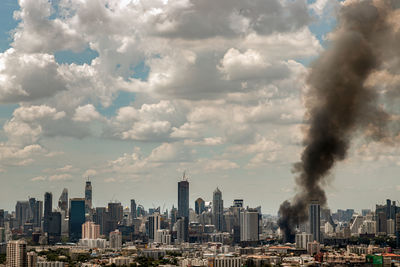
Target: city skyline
(151,93)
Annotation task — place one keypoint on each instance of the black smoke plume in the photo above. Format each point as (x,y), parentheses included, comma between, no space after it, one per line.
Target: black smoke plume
(339,102)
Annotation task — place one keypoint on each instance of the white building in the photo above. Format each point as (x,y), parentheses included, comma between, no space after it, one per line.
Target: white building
(163,237)
(121,261)
(227,261)
(90,230)
(93,243)
(249,225)
(50,264)
(390,227)
(16,254)
(303,239)
(368,227)
(116,239)
(357,222)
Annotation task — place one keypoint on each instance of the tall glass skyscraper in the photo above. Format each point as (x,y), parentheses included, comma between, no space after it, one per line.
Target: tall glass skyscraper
(183,198)
(48,208)
(76,218)
(183,206)
(314,214)
(218,210)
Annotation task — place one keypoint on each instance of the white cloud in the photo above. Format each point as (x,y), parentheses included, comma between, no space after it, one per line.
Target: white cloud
(86,113)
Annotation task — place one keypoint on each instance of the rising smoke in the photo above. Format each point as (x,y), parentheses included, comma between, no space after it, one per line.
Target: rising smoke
(340,102)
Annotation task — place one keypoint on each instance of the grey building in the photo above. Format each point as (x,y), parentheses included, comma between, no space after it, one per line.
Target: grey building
(218,210)
(314,214)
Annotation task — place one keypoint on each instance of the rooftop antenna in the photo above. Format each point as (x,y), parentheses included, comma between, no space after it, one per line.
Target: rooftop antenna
(184,178)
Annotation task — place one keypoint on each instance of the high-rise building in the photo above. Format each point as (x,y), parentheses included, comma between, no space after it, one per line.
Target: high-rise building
(48,208)
(183,198)
(76,218)
(22,212)
(114,215)
(218,210)
(249,225)
(16,254)
(381,223)
(183,206)
(90,230)
(2,218)
(36,211)
(133,209)
(63,201)
(199,206)
(154,225)
(314,214)
(54,227)
(100,218)
(88,197)
(398,230)
(116,239)
(303,239)
(32,259)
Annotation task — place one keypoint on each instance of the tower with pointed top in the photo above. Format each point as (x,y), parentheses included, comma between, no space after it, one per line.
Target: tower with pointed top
(183,205)
(88,196)
(218,210)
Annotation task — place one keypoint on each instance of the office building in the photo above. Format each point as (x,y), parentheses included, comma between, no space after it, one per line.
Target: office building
(314,219)
(249,225)
(48,208)
(303,239)
(218,210)
(100,218)
(116,239)
(183,198)
(54,227)
(133,209)
(114,215)
(225,261)
(76,218)
(154,225)
(90,230)
(22,212)
(163,237)
(88,197)
(16,254)
(199,206)
(381,223)
(2,217)
(63,201)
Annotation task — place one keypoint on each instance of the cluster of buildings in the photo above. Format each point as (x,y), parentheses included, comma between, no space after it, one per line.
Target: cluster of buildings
(211,234)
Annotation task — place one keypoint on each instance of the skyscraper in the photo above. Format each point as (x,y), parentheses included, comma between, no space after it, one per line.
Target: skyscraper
(63,201)
(35,212)
(116,239)
(199,205)
(16,254)
(54,227)
(1,218)
(183,206)
(154,225)
(249,225)
(76,218)
(218,210)
(183,198)
(133,209)
(314,214)
(48,208)
(22,211)
(88,197)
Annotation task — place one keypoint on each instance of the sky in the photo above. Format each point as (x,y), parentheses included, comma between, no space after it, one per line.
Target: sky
(132,93)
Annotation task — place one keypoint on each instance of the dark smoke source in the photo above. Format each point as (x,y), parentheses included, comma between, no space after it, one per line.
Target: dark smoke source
(338,103)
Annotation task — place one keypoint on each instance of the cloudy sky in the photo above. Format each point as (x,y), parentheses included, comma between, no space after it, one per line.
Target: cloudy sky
(134,92)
